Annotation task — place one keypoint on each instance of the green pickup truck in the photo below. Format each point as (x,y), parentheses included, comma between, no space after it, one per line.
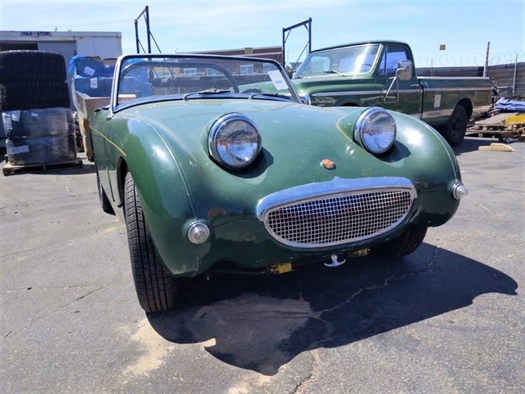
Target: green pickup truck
(382,74)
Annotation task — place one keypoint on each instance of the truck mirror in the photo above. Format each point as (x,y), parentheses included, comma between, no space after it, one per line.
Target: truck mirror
(404,70)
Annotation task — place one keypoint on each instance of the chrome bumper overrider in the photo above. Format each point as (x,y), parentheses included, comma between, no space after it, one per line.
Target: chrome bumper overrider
(337,212)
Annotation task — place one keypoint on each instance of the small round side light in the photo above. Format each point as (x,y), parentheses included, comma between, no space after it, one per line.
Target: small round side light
(198,233)
(459,191)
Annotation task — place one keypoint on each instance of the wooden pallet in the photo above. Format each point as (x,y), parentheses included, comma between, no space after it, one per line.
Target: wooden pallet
(499,126)
(11,169)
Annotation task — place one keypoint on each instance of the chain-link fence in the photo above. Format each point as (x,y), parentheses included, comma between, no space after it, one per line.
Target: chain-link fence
(510,78)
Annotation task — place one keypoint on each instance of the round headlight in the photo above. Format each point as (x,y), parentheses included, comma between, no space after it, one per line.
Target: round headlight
(375,130)
(234,141)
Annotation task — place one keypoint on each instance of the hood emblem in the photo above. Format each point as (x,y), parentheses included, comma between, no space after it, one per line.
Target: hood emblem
(328,164)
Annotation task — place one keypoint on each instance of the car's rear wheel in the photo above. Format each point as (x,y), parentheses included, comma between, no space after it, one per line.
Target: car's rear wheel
(405,244)
(456,127)
(156,289)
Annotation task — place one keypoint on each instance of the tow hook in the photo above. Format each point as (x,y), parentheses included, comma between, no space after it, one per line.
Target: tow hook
(335,259)
(335,262)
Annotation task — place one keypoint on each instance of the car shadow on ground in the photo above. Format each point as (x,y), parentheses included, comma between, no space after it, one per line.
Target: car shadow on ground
(471,144)
(261,323)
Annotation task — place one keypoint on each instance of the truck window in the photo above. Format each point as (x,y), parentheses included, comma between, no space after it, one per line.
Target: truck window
(391,58)
(319,64)
(357,59)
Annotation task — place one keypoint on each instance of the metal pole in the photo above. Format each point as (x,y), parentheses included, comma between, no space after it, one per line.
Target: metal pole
(284,47)
(137,29)
(515,73)
(308,25)
(137,41)
(486,60)
(309,35)
(147,29)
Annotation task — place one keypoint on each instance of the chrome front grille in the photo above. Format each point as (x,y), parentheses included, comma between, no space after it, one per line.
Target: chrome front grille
(335,216)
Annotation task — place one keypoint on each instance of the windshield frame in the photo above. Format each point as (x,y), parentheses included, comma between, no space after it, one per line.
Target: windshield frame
(276,80)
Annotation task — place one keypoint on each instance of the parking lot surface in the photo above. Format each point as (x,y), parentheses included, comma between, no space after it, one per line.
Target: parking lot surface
(449,318)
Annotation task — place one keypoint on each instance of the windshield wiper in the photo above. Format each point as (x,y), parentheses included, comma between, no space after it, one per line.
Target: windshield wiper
(331,72)
(206,91)
(264,94)
(322,72)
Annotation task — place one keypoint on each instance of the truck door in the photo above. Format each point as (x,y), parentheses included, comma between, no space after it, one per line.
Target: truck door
(404,96)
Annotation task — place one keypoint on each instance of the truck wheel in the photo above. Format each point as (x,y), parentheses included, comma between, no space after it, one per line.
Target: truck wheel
(405,244)
(156,289)
(38,122)
(25,151)
(456,127)
(30,65)
(18,95)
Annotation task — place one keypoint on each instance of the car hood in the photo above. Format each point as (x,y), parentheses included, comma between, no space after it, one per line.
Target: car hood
(295,139)
(318,84)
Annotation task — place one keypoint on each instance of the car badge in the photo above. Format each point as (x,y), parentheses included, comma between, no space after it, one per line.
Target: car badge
(328,164)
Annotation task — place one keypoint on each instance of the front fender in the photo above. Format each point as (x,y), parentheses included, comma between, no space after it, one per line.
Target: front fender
(163,192)
(434,168)
(422,155)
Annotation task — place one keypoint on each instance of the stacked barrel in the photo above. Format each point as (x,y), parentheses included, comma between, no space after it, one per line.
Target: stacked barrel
(35,107)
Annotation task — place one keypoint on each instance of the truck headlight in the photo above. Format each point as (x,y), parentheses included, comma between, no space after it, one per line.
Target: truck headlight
(375,130)
(234,141)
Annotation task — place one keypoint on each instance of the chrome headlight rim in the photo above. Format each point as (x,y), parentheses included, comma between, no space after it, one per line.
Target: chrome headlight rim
(363,135)
(216,130)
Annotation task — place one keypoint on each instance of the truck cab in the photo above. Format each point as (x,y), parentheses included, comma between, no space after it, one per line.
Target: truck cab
(383,74)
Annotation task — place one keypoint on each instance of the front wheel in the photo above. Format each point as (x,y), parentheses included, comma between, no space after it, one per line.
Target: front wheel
(456,127)
(405,244)
(156,289)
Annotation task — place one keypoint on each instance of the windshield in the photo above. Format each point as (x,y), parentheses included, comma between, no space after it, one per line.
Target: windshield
(141,77)
(351,60)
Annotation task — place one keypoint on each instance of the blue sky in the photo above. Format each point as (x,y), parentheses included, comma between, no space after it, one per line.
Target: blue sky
(464,26)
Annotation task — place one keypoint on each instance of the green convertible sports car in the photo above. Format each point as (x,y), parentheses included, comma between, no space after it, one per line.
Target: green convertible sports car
(216,164)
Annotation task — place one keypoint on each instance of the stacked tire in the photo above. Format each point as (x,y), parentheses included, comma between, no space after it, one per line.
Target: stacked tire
(35,106)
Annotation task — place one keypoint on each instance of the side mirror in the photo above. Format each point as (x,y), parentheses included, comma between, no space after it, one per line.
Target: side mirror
(305,98)
(404,70)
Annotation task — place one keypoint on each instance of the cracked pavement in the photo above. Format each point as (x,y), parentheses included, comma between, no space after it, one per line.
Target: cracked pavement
(449,318)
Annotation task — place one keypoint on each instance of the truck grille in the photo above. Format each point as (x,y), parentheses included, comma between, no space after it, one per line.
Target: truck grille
(339,218)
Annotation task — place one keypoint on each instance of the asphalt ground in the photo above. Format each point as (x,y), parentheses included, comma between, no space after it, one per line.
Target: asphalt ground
(449,318)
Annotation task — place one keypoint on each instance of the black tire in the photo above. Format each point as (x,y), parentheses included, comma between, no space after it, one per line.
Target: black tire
(38,122)
(71,147)
(50,149)
(102,196)
(456,127)
(33,94)
(26,65)
(405,244)
(156,289)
